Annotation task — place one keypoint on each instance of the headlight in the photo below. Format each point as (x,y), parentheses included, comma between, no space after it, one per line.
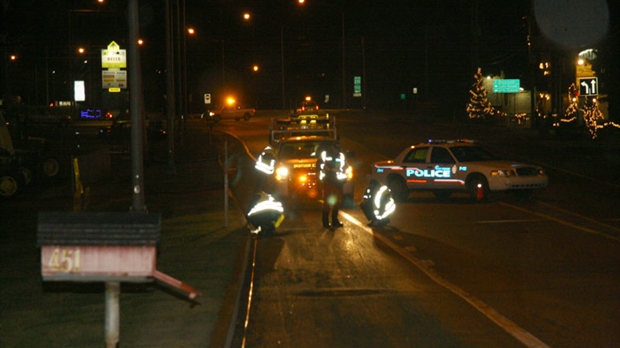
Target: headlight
(349,173)
(211,113)
(281,173)
(500,172)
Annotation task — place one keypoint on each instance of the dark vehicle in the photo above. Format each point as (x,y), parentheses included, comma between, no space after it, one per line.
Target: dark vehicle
(24,161)
(118,135)
(12,178)
(308,106)
(55,116)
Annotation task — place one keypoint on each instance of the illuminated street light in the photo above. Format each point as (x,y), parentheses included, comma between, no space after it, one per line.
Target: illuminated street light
(246,16)
(255,68)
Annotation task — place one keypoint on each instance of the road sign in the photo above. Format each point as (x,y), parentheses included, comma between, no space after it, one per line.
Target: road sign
(113,57)
(357,86)
(114,78)
(507,86)
(207,98)
(588,86)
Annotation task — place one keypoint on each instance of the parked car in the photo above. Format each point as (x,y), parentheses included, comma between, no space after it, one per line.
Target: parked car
(447,166)
(307,106)
(231,112)
(118,134)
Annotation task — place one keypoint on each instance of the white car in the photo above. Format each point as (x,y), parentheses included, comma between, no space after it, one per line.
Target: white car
(231,112)
(447,166)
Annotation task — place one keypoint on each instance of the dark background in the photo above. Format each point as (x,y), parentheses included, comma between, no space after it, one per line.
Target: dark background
(434,46)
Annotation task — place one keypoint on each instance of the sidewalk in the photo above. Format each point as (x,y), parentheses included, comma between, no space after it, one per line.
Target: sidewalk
(196,248)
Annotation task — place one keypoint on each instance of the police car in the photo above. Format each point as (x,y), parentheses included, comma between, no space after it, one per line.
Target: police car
(447,166)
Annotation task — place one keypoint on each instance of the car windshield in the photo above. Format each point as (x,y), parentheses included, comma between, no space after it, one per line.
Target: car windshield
(304,149)
(472,154)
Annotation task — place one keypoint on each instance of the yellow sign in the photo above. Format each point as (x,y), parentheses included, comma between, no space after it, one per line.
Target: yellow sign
(113,46)
(114,90)
(113,57)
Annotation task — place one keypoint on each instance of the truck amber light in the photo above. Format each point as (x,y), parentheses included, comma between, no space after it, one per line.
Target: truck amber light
(303,178)
(349,173)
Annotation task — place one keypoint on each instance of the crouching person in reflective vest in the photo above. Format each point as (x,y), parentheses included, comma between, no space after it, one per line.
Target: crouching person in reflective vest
(377,204)
(265,213)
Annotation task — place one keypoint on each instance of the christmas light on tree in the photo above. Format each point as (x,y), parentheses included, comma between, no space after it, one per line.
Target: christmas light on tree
(590,111)
(591,114)
(572,111)
(479,106)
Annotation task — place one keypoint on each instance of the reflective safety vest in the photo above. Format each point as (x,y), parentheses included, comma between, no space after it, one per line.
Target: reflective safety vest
(266,162)
(336,164)
(266,210)
(383,204)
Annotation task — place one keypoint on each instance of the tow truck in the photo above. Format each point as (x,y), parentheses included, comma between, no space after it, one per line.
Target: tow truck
(295,141)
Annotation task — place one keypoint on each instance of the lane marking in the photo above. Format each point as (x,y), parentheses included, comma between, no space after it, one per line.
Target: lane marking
(506,324)
(569,224)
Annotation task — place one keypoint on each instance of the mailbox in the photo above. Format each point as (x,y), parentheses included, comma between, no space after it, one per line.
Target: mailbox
(98,246)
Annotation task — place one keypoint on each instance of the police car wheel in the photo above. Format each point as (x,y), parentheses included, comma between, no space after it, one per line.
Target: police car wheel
(475,192)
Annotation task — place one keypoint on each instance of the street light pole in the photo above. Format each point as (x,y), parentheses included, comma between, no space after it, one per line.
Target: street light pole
(344,83)
(170,102)
(282,63)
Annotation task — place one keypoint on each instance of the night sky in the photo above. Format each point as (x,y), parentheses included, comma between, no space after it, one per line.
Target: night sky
(397,45)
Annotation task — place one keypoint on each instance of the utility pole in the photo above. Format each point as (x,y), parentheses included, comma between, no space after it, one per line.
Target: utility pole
(170,99)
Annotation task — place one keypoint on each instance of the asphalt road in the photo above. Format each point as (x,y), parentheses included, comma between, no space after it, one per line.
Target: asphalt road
(536,273)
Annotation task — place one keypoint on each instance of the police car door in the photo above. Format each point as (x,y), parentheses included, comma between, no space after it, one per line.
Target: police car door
(414,164)
(442,169)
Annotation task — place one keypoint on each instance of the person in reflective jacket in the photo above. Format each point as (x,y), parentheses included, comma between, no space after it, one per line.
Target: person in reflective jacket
(265,165)
(332,172)
(266,161)
(265,213)
(377,204)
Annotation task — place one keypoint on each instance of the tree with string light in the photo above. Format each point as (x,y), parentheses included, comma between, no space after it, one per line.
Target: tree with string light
(572,112)
(479,106)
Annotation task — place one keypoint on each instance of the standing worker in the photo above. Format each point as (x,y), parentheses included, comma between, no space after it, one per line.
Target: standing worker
(332,166)
(265,165)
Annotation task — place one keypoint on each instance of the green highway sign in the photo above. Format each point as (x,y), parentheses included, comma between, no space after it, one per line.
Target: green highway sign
(506,86)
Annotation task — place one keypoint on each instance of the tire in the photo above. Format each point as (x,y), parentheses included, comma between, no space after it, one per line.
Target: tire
(247,116)
(51,167)
(472,187)
(8,186)
(399,189)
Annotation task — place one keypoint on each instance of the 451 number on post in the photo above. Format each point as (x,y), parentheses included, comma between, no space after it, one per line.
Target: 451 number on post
(64,260)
